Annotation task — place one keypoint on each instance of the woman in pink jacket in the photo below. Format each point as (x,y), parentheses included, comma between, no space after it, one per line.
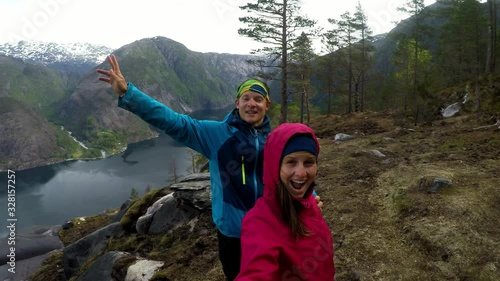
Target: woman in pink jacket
(284,236)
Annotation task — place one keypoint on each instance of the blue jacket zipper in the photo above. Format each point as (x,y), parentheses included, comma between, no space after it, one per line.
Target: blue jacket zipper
(243,176)
(257,147)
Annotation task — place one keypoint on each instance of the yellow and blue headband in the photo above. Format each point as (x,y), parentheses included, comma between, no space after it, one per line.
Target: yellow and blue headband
(255,86)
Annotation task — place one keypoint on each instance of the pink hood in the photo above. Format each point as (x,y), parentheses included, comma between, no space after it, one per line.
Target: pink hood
(269,250)
(275,144)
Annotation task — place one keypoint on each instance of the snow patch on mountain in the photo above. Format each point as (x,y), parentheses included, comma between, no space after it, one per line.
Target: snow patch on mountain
(52,53)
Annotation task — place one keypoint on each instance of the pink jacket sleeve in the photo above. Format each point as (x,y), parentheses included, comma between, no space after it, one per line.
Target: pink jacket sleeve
(259,259)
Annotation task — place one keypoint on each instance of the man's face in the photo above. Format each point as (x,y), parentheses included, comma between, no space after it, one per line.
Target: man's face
(252,107)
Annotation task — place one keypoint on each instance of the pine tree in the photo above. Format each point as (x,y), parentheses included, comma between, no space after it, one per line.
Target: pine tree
(276,24)
(418,30)
(364,47)
(301,59)
(328,65)
(492,37)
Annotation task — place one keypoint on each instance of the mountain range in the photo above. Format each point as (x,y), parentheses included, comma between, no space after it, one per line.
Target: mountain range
(58,84)
(70,57)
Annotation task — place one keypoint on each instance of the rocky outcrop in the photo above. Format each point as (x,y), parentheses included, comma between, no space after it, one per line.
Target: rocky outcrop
(78,253)
(188,200)
(90,257)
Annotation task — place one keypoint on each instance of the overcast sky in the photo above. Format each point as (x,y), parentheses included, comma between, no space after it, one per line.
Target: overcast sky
(201,25)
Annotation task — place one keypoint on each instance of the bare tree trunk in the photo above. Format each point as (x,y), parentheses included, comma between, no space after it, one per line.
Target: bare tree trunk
(284,61)
(302,107)
(415,82)
(350,81)
(308,108)
(492,31)
(356,96)
(329,89)
(329,97)
(362,91)
(193,162)
(173,170)
(478,98)
(362,78)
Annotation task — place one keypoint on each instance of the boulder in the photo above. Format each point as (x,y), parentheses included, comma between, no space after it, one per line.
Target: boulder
(80,251)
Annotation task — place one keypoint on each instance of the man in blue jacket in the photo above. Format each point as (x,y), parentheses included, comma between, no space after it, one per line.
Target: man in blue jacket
(233,146)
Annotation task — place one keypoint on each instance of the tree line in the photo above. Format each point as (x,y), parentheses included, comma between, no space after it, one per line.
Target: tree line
(433,49)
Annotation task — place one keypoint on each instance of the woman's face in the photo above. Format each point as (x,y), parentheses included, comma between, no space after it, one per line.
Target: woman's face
(298,171)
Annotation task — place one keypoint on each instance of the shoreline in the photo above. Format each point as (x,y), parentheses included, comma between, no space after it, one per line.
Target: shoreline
(35,164)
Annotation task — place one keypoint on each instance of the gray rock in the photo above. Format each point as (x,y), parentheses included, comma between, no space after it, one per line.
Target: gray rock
(102,268)
(144,222)
(451,110)
(342,137)
(377,153)
(193,194)
(77,253)
(195,177)
(191,185)
(143,270)
(67,225)
(438,184)
(170,216)
(123,209)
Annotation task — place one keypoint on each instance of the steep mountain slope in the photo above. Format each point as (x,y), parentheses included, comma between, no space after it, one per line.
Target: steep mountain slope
(27,139)
(34,85)
(185,81)
(37,78)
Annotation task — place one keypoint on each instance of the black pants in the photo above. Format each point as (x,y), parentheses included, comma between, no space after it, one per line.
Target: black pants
(229,255)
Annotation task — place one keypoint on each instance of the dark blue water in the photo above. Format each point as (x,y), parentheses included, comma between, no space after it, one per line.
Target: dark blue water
(51,195)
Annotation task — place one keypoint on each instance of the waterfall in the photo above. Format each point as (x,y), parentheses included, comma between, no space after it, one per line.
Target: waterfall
(79,142)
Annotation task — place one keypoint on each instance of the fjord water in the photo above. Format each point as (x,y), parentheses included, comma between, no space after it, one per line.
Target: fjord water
(53,194)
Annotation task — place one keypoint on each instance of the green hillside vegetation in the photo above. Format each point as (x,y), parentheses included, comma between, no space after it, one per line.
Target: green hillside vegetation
(35,85)
(160,64)
(185,81)
(22,123)
(70,149)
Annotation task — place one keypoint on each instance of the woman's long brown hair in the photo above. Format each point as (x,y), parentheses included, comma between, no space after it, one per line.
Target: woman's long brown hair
(290,209)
